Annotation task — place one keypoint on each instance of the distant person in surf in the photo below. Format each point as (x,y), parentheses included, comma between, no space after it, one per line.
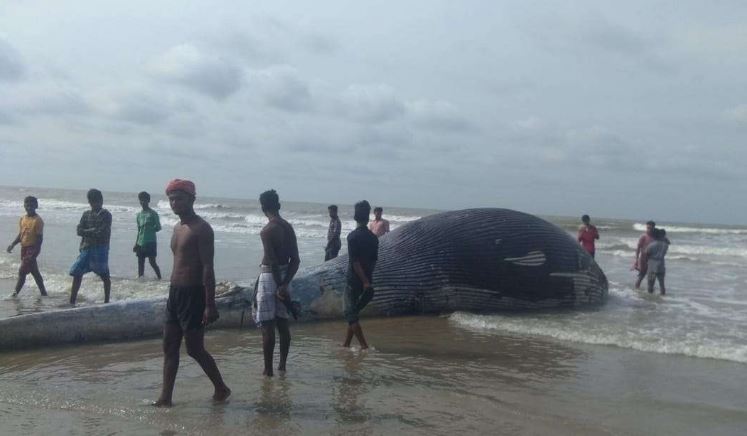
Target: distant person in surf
(191,304)
(333,234)
(273,290)
(146,245)
(640,253)
(363,252)
(95,230)
(655,252)
(587,234)
(30,236)
(379,226)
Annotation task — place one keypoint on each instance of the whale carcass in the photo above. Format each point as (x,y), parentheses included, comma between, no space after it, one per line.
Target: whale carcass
(477,260)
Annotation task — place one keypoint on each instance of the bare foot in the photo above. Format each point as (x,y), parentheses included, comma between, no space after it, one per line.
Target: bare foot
(161,403)
(222,394)
(267,373)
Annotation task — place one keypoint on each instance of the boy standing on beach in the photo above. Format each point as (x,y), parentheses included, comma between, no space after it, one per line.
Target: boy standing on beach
(333,234)
(146,245)
(191,303)
(95,229)
(279,264)
(363,252)
(640,253)
(587,234)
(655,252)
(30,235)
(379,226)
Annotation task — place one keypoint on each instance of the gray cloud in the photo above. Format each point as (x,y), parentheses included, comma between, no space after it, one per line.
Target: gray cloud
(438,115)
(207,73)
(737,114)
(11,64)
(282,88)
(371,103)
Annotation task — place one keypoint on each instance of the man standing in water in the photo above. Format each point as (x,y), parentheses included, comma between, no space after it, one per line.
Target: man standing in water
(641,263)
(279,264)
(191,303)
(587,234)
(655,252)
(333,234)
(146,245)
(379,226)
(30,235)
(95,228)
(363,252)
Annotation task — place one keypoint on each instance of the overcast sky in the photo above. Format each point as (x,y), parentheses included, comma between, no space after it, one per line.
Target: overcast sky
(632,109)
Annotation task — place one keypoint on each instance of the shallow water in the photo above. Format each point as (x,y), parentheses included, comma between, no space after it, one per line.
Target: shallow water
(438,378)
(641,364)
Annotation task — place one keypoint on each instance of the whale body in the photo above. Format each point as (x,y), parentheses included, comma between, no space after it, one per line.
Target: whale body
(476,260)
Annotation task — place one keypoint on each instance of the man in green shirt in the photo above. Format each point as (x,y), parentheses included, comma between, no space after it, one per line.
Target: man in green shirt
(145,245)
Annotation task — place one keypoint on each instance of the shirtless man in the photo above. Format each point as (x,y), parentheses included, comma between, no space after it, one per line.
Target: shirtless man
(641,264)
(379,226)
(191,304)
(279,264)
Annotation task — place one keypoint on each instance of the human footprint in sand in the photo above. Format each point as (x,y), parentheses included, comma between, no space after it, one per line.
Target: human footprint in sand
(191,303)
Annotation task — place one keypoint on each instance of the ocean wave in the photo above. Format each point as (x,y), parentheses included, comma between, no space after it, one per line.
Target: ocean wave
(703,230)
(637,339)
(61,205)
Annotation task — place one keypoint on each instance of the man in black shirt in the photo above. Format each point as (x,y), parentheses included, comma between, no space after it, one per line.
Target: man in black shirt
(363,251)
(333,235)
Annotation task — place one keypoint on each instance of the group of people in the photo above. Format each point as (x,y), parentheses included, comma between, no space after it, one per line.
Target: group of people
(649,255)
(191,303)
(379,227)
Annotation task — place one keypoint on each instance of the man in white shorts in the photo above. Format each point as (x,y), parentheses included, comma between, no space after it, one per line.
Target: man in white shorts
(279,264)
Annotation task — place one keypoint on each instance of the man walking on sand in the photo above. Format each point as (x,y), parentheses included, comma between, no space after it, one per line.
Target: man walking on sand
(95,229)
(363,252)
(191,304)
(273,292)
(379,226)
(30,236)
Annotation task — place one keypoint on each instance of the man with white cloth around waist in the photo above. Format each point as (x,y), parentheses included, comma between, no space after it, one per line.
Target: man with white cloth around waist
(279,264)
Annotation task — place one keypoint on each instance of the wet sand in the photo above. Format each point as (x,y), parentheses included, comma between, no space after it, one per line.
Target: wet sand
(424,375)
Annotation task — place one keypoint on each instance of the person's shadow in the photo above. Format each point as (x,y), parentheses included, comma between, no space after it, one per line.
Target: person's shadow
(347,392)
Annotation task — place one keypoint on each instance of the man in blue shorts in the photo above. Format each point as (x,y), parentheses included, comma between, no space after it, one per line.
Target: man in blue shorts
(95,230)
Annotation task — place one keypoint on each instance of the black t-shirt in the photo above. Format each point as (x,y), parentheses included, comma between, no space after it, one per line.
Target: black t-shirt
(363,246)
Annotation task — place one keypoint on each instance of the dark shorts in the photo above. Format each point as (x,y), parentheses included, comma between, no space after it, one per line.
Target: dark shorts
(94,259)
(354,300)
(149,249)
(28,259)
(334,248)
(186,306)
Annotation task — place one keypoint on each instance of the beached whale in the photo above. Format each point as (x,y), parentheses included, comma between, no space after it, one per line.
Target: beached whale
(477,260)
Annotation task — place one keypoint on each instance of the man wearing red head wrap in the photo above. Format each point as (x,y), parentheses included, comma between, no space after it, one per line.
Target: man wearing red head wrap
(181,185)
(191,303)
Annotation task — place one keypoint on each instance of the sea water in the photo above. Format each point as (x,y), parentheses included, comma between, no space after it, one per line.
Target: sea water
(595,371)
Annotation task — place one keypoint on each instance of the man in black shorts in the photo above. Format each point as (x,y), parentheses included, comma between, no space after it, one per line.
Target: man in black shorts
(191,304)
(363,252)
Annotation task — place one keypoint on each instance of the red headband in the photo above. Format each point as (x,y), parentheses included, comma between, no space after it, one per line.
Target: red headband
(181,185)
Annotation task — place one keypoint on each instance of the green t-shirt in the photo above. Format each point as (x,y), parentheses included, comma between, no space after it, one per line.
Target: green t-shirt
(147,226)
